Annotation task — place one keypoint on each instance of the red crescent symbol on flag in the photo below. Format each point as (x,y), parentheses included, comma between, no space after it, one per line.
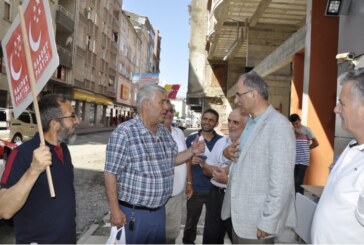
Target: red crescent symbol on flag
(34,45)
(15,75)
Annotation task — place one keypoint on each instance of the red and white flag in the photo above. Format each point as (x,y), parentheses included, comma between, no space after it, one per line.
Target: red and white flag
(42,49)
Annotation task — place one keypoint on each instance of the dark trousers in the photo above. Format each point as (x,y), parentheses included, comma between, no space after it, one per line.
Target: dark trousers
(149,226)
(194,208)
(299,175)
(216,228)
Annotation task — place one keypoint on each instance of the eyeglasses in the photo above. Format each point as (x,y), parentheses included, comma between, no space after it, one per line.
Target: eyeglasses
(73,116)
(237,94)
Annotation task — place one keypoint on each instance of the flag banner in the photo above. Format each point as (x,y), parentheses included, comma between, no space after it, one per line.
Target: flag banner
(172,90)
(145,78)
(43,53)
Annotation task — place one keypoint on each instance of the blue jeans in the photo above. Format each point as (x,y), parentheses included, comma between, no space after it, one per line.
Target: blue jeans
(149,226)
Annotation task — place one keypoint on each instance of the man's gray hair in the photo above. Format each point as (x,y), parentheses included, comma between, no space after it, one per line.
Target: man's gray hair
(256,82)
(50,108)
(356,77)
(148,92)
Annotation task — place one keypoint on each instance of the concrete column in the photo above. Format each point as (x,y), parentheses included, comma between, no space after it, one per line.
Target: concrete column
(319,87)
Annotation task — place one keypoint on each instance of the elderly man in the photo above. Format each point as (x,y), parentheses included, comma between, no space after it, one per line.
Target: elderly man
(140,157)
(215,228)
(260,194)
(42,219)
(174,204)
(339,216)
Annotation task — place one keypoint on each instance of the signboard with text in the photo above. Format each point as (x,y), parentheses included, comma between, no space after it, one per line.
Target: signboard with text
(42,49)
(145,78)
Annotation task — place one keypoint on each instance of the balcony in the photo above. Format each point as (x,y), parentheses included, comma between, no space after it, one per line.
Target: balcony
(64,20)
(65,57)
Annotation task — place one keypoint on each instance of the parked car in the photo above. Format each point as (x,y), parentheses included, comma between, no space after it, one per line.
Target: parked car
(18,129)
(5,149)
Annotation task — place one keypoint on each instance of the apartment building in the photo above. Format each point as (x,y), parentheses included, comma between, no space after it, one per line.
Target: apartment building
(99,48)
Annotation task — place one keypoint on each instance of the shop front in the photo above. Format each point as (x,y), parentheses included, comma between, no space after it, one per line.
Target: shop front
(91,108)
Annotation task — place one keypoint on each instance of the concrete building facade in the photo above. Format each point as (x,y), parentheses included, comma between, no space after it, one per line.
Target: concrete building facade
(292,45)
(99,48)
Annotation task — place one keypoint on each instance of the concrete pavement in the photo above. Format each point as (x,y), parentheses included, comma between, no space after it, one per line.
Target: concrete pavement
(99,233)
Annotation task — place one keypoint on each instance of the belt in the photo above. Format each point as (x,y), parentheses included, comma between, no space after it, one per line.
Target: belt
(128,205)
(219,189)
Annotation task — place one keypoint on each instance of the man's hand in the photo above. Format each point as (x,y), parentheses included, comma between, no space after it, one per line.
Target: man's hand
(221,175)
(232,151)
(118,218)
(262,234)
(189,191)
(42,158)
(198,146)
(196,160)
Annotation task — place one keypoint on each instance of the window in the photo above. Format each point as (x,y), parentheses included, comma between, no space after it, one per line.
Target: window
(34,117)
(24,117)
(7,8)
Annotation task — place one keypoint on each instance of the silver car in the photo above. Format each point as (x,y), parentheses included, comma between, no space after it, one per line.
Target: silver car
(18,129)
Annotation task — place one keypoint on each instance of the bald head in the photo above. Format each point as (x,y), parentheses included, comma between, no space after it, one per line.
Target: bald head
(236,123)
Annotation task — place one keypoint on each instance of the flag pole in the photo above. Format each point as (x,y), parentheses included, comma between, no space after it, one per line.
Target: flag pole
(33,86)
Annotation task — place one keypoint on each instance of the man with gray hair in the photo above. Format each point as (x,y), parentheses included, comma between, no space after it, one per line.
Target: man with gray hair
(140,158)
(260,194)
(339,216)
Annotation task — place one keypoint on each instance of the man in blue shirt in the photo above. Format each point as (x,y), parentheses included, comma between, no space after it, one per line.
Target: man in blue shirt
(198,184)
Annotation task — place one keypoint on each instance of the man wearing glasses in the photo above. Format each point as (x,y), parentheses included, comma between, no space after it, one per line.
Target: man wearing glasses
(260,194)
(38,217)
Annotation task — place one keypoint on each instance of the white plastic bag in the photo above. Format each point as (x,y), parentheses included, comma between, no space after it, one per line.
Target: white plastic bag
(113,234)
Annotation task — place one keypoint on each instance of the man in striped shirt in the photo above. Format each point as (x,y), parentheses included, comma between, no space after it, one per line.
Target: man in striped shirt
(305,141)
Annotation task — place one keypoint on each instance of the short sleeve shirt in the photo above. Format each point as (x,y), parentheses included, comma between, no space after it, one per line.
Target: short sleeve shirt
(303,146)
(143,163)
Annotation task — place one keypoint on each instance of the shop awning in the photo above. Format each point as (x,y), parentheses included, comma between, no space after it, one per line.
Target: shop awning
(91,98)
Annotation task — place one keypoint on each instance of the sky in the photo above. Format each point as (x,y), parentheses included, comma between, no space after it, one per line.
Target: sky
(171,17)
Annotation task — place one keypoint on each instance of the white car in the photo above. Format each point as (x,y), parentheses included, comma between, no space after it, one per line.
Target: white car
(18,129)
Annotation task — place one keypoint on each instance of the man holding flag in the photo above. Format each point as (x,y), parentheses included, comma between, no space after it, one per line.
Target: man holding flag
(43,219)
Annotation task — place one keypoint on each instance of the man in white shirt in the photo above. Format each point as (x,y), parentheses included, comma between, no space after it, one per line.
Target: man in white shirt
(215,228)
(174,204)
(339,216)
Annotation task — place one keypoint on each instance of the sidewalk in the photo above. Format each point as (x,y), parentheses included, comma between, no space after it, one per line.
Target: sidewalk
(99,233)
(89,130)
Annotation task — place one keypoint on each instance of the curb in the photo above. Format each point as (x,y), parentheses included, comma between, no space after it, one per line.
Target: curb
(86,238)
(83,131)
